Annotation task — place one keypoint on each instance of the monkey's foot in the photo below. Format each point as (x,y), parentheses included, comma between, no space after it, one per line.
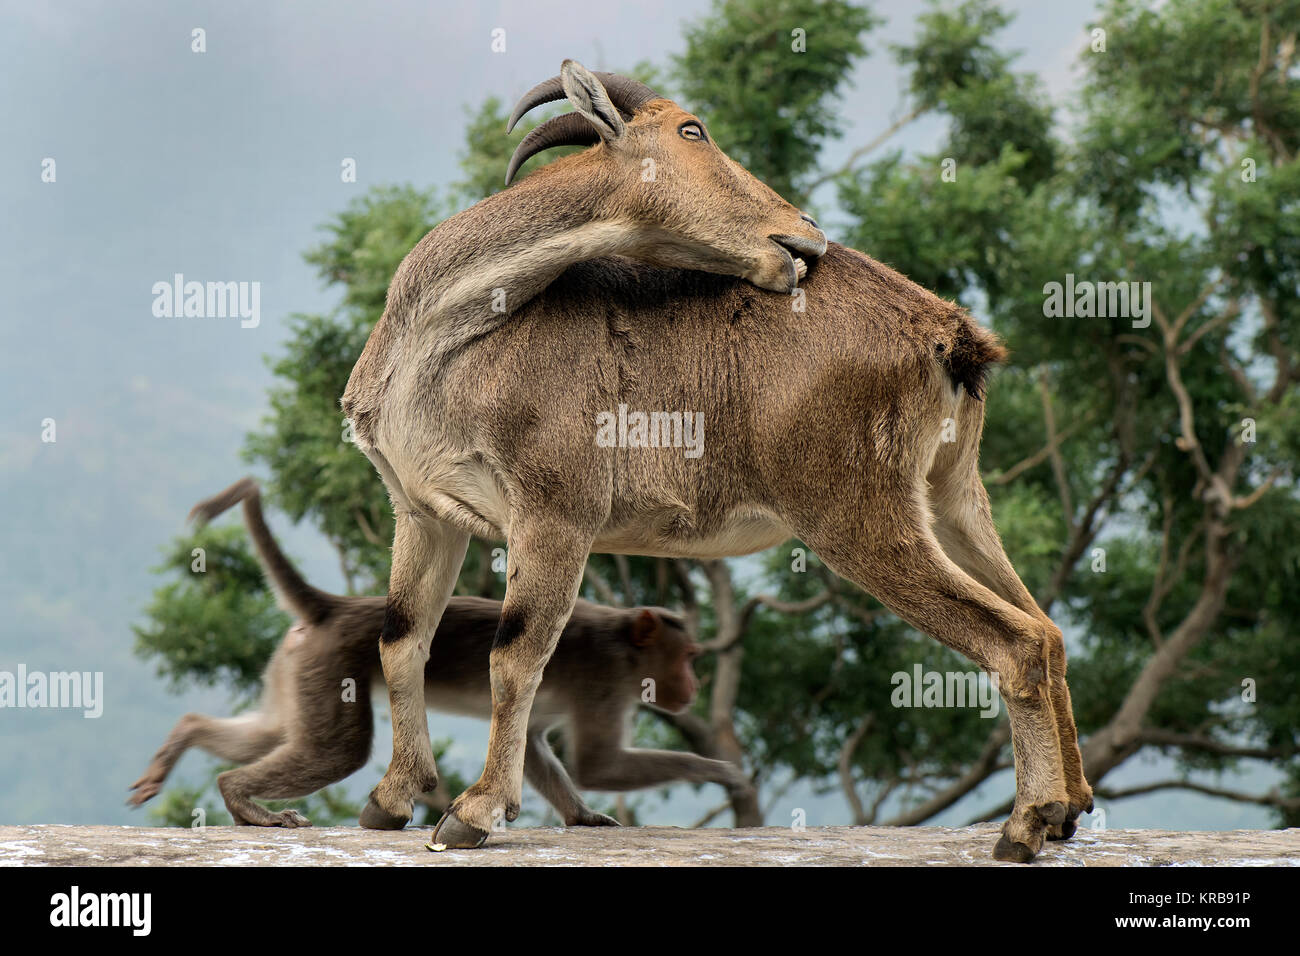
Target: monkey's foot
(1023,833)
(292,818)
(375,817)
(457,835)
(590,818)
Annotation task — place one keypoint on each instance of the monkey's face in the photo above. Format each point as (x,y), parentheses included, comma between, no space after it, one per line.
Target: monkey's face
(668,653)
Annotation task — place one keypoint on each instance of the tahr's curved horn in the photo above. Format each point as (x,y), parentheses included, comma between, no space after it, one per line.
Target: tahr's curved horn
(627,94)
(571,129)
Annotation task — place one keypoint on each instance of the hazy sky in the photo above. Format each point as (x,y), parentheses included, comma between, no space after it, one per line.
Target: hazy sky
(222,166)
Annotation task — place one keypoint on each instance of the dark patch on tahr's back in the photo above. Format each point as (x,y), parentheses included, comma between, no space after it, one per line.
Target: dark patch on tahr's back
(508,631)
(975,350)
(397,624)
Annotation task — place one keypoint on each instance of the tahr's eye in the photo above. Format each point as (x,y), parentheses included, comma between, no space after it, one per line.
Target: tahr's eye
(691,131)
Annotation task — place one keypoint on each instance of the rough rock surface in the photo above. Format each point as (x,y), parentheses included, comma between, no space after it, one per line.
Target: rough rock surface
(632,846)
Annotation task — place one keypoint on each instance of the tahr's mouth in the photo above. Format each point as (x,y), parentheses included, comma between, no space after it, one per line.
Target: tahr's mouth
(802,246)
(795,248)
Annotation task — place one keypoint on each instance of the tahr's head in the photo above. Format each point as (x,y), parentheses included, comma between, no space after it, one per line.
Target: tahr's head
(656,168)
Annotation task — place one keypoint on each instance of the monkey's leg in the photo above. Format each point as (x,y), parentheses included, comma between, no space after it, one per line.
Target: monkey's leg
(238,739)
(427,555)
(618,770)
(548,776)
(543,572)
(290,771)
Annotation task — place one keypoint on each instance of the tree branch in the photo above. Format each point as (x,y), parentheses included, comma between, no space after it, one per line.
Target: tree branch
(861,151)
(1168,738)
(367,531)
(711,815)
(1271,799)
(1227,315)
(1054,451)
(723,642)
(1115,742)
(600,586)
(847,783)
(1086,531)
(985,765)
(1187,441)
(1038,457)
(341,551)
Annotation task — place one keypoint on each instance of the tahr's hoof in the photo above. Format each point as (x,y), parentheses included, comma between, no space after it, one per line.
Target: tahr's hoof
(1010,852)
(1053,813)
(375,817)
(457,835)
(1062,832)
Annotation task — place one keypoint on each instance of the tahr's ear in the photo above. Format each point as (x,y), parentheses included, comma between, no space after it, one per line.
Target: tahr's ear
(588,96)
(645,628)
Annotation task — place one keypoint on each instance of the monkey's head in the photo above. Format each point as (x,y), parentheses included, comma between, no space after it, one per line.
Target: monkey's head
(666,651)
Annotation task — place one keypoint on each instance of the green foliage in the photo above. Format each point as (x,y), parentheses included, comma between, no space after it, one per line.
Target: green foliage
(369,239)
(305,442)
(953,50)
(948,240)
(488,149)
(769,107)
(213,627)
(1173,83)
(319,472)
(956,70)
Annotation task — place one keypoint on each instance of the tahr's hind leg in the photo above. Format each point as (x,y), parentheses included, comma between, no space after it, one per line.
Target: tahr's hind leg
(965,529)
(893,555)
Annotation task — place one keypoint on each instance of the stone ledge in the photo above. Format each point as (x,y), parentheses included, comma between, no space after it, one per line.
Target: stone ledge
(50,845)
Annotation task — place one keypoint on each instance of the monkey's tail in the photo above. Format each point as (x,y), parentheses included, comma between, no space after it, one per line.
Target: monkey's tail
(310,604)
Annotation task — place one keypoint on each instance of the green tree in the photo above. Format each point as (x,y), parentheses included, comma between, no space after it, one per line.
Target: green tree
(215,623)
(765,76)
(1142,474)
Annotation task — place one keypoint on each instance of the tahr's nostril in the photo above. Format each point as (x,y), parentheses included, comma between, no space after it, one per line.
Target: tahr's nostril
(809,219)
